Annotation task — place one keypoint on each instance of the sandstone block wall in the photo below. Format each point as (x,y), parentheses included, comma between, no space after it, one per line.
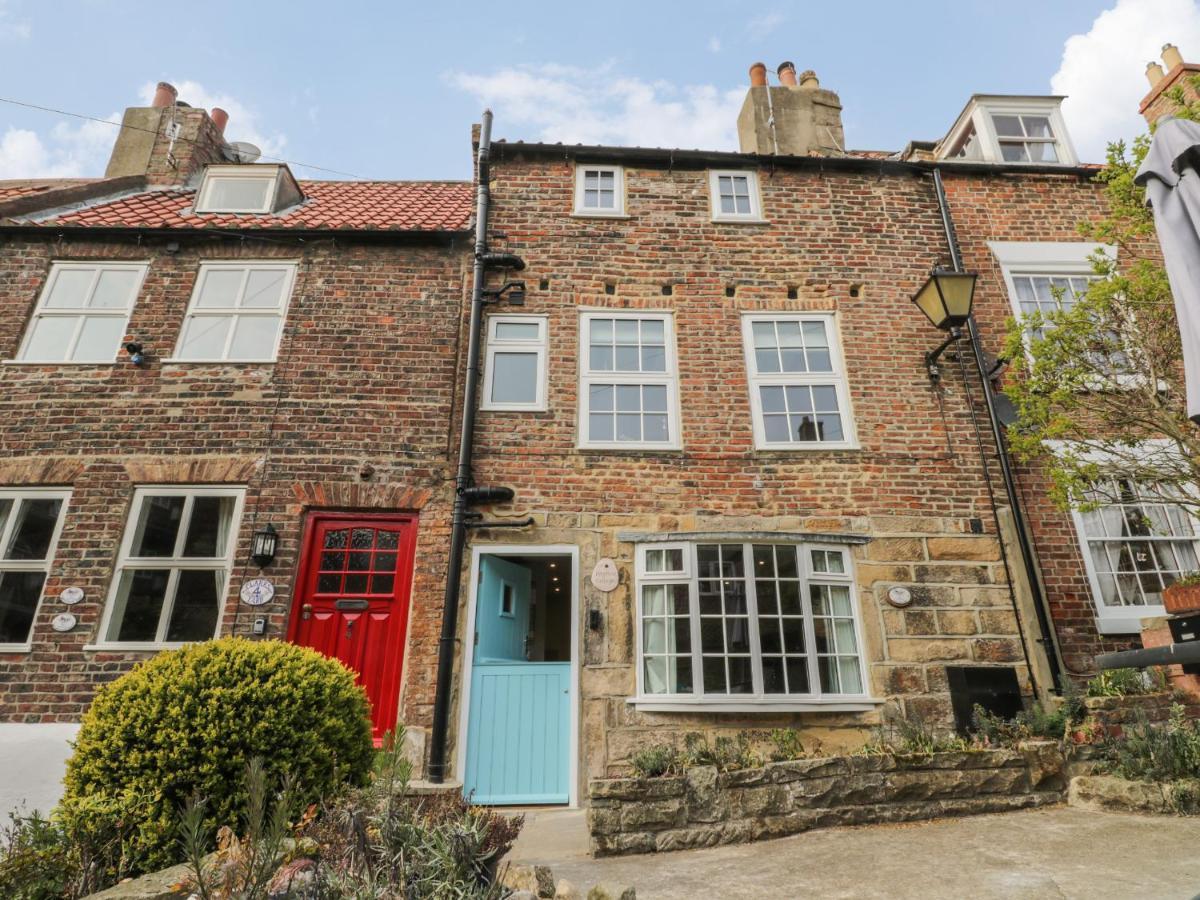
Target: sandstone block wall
(704,807)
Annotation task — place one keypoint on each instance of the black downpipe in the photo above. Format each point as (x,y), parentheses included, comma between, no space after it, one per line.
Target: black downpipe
(1010,485)
(462,479)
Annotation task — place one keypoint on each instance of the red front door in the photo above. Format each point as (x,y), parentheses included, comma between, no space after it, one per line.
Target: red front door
(352,600)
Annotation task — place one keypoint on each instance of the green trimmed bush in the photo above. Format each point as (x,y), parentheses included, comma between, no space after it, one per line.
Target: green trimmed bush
(187,722)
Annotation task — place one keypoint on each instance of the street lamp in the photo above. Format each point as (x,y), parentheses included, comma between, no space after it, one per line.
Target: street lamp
(945,299)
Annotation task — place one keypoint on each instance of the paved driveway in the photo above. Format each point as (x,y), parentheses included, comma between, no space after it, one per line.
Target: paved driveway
(1055,852)
(33,759)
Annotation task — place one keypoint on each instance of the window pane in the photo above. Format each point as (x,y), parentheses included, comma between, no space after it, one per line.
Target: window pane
(254,337)
(19,596)
(654,398)
(1042,152)
(600,358)
(740,679)
(629,427)
(1037,126)
(600,427)
(1008,126)
(197,606)
(157,526)
(654,359)
(1012,152)
(114,289)
(237,194)
(664,560)
(33,529)
(49,338)
(629,398)
(602,331)
(99,339)
(517,331)
(654,636)
(514,377)
(627,358)
(70,288)
(601,397)
(208,533)
(264,289)
(219,288)
(204,337)
(138,605)
(654,599)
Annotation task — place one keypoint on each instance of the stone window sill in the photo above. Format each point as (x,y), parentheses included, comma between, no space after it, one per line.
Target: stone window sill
(663,703)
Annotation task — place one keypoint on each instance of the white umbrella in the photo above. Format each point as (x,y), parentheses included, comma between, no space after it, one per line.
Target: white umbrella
(1169,174)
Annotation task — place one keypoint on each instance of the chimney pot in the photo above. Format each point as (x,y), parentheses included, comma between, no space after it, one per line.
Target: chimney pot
(808,80)
(164,95)
(758,75)
(1171,56)
(220,118)
(787,74)
(1154,73)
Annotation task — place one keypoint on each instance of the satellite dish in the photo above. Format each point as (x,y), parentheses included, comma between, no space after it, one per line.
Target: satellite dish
(243,152)
(1006,410)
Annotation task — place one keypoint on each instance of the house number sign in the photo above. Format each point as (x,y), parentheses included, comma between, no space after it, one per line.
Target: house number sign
(257,591)
(605,576)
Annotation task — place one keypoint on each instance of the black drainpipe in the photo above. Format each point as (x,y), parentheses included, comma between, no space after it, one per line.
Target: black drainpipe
(463,478)
(1010,485)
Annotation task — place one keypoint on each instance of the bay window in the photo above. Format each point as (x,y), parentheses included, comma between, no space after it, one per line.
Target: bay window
(737,625)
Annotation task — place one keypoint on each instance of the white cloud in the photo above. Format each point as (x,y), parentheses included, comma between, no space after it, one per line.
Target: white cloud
(11,29)
(244,123)
(551,102)
(1102,71)
(761,26)
(69,150)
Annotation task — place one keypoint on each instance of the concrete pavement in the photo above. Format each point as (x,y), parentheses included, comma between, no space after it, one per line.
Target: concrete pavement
(33,760)
(1055,852)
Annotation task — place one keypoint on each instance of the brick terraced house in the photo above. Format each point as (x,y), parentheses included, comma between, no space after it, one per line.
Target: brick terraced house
(739,499)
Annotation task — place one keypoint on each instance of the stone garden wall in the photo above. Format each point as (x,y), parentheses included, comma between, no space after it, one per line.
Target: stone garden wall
(705,807)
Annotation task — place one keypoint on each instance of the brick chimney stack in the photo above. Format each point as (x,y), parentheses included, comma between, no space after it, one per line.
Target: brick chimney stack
(797,117)
(1173,72)
(168,141)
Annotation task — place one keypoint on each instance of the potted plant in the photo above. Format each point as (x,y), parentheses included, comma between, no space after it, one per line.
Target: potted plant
(1184,595)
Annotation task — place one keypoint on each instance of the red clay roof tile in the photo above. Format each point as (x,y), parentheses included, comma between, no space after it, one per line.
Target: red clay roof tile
(341,205)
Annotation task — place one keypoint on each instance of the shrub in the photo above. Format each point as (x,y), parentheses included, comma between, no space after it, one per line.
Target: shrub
(1034,723)
(786,744)
(187,722)
(911,736)
(1123,683)
(655,761)
(379,842)
(1166,752)
(724,752)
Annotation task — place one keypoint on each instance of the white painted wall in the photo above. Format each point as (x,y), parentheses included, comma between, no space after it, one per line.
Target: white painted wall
(33,760)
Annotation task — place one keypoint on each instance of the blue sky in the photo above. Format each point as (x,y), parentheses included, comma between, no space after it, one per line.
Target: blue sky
(390,90)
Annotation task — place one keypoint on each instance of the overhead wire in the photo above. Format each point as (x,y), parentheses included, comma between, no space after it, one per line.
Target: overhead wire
(122,125)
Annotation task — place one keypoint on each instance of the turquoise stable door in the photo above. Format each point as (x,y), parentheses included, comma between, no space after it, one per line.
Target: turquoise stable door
(518,732)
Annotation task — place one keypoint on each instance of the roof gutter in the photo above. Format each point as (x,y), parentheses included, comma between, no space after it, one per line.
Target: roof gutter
(703,158)
(115,231)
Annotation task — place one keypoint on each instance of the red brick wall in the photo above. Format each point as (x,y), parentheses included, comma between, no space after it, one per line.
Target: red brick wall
(365,376)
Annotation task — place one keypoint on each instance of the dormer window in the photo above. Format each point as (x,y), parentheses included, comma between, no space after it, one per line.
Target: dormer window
(247,189)
(1001,129)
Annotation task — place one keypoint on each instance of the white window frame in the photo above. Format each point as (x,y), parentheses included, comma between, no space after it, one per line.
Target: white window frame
(759,701)
(836,378)
(41,311)
(618,172)
(1117,619)
(174,563)
(668,379)
(496,345)
(714,196)
(978,114)
(213,174)
(194,312)
(32,565)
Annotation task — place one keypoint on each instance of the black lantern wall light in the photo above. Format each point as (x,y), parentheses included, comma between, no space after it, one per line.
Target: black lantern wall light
(946,299)
(262,546)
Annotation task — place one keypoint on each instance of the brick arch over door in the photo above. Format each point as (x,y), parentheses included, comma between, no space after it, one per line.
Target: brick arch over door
(343,495)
